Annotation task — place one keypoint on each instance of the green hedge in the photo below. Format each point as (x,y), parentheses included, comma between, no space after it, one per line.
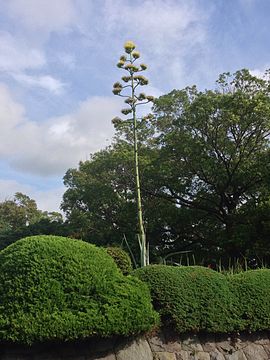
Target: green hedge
(200,299)
(121,258)
(190,298)
(252,299)
(55,288)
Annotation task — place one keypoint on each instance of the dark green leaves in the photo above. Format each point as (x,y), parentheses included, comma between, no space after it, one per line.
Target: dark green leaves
(55,288)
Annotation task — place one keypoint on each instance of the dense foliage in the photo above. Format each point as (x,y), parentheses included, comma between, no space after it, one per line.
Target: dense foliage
(190,298)
(200,299)
(55,288)
(252,292)
(121,258)
(214,159)
(204,175)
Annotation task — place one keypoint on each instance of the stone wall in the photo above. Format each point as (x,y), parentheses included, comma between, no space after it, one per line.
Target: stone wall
(161,346)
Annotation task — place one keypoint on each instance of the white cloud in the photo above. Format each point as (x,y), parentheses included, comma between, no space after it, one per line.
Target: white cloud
(47,200)
(52,146)
(10,187)
(46,82)
(12,115)
(159,23)
(168,32)
(15,55)
(43,15)
(16,58)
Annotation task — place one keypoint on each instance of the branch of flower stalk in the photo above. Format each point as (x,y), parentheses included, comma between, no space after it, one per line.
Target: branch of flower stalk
(136,86)
(143,103)
(125,96)
(125,86)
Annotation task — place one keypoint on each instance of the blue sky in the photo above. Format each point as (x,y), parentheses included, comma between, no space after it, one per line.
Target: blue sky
(57,67)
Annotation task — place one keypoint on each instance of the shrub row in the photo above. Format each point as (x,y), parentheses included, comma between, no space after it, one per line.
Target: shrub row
(251,291)
(200,299)
(55,288)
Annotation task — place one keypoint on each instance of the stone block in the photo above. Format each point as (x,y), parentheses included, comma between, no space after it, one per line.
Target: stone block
(201,355)
(182,355)
(225,347)
(255,351)
(216,355)
(209,346)
(267,350)
(238,344)
(157,342)
(138,349)
(172,346)
(262,341)
(164,356)
(237,355)
(192,344)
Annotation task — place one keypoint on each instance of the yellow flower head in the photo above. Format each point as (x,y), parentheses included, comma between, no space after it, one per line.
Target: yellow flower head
(116,120)
(117,85)
(143,66)
(123,58)
(141,79)
(126,78)
(131,68)
(116,91)
(130,101)
(136,54)
(142,96)
(129,46)
(126,111)
(120,64)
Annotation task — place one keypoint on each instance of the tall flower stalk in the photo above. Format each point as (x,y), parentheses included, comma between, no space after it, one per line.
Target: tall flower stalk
(128,89)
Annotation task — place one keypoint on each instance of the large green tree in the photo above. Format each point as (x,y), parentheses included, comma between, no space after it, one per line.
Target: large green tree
(214,155)
(20,217)
(18,212)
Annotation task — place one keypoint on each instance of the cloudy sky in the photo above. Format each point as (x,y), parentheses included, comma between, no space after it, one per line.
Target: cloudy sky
(57,67)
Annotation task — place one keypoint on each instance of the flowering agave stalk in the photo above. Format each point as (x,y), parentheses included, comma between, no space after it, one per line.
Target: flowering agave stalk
(128,89)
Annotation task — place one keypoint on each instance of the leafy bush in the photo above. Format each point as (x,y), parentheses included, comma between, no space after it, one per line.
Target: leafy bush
(252,293)
(190,298)
(55,288)
(121,259)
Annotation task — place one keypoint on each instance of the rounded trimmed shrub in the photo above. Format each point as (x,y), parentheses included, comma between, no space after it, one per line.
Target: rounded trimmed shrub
(252,293)
(190,298)
(121,259)
(55,288)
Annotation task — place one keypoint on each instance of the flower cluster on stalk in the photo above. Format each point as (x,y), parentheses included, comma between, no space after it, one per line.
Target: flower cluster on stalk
(131,82)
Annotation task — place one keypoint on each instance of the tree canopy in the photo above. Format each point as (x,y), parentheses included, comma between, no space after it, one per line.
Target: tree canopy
(214,151)
(204,174)
(20,217)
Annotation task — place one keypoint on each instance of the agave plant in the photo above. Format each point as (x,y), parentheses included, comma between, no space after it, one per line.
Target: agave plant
(129,90)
